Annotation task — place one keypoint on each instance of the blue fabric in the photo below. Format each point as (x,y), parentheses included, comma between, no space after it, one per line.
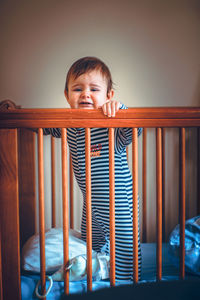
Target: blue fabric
(28,284)
(192,245)
(169,272)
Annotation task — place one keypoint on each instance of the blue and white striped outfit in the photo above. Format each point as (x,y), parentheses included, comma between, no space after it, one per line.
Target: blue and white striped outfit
(100,192)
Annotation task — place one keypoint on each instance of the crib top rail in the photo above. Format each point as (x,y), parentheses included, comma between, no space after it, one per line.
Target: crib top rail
(131,117)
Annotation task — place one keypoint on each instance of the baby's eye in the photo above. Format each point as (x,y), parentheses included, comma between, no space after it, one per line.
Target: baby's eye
(94,90)
(77,90)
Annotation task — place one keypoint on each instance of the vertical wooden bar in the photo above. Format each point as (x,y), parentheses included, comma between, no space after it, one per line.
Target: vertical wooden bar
(163,184)
(112,205)
(71,183)
(135,203)
(144,186)
(198,171)
(9,214)
(159,201)
(127,153)
(65,207)
(27,188)
(1,287)
(182,202)
(53,184)
(88,208)
(41,211)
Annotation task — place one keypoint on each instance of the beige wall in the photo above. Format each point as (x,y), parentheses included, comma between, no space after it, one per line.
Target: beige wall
(151,47)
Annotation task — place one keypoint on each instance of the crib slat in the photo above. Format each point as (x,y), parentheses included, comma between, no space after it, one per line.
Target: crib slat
(127,153)
(53,185)
(112,205)
(182,201)
(144,186)
(9,214)
(163,184)
(71,183)
(88,208)
(135,203)
(198,171)
(159,201)
(1,287)
(41,210)
(65,207)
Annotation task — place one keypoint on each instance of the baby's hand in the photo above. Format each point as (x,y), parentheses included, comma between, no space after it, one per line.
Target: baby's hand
(110,108)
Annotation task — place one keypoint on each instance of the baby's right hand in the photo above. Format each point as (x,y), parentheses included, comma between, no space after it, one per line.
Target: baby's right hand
(110,108)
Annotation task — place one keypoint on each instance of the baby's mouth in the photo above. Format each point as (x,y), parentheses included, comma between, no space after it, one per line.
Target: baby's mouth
(85,104)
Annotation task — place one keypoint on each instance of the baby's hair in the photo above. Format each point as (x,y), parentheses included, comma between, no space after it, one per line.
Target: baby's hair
(88,64)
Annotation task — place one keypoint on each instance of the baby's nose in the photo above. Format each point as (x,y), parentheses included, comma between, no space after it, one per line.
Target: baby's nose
(85,94)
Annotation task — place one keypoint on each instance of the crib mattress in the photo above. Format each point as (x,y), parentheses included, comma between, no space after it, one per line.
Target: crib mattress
(169,272)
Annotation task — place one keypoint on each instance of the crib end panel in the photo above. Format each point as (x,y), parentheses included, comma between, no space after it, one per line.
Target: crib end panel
(9,215)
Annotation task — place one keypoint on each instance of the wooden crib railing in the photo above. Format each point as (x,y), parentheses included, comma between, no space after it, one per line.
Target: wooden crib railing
(11,153)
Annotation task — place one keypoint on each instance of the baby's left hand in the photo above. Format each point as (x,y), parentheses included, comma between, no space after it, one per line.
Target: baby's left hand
(110,108)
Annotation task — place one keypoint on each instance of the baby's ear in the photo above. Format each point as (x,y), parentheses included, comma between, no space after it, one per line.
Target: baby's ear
(110,95)
(66,95)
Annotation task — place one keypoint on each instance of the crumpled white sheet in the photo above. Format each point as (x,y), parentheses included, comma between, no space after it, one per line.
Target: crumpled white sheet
(54,256)
(78,268)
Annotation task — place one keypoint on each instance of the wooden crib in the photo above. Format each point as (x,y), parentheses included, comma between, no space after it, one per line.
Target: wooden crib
(17,182)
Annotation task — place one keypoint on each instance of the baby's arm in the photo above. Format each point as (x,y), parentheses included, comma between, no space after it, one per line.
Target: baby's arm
(123,136)
(55,132)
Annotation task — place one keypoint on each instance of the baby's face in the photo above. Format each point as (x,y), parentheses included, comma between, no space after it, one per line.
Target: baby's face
(88,91)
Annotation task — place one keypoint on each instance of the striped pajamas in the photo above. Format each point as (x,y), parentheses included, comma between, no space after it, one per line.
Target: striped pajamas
(100,192)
